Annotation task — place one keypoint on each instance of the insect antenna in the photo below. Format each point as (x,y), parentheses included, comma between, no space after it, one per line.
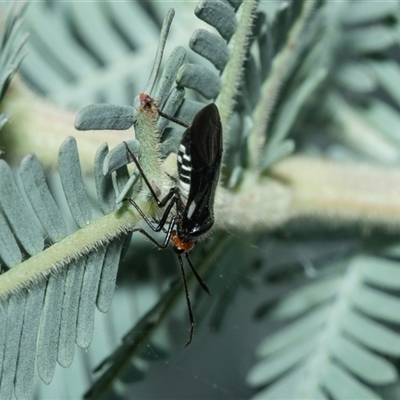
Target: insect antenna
(198,277)
(173,119)
(188,303)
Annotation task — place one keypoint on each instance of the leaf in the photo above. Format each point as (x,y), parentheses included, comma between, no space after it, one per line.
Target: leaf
(117,80)
(363,363)
(13,323)
(281,362)
(71,179)
(50,324)
(21,221)
(100,68)
(356,77)
(50,328)
(82,267)
(167,80)
(105,116)
(202,42)
(357,13)
(103,181)
(24,378)
(371,333)
(288,51)
(379,271)
(41,199)
(384,117)
(108,277)
(118,156)
(13,44)
(359,134)
(337,348)
(293,107)
(370,39)
(377,304)
(288,335)
(343,386)
(10,252)
(69,316)
(200,79)
(388,75)
(305,298)
(219,15)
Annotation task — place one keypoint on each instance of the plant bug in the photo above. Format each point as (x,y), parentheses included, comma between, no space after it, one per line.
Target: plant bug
(199,164)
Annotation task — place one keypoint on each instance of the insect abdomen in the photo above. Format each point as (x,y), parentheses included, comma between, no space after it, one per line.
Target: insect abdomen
(185,169)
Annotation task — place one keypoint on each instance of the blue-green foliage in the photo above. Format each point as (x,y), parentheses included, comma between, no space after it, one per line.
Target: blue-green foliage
(337,334)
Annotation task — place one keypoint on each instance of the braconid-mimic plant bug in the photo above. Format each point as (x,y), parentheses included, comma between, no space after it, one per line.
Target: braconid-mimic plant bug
(189,206)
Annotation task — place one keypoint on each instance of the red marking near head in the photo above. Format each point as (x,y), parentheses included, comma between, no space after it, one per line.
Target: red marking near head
(148,105)
(146,101)
(181,246)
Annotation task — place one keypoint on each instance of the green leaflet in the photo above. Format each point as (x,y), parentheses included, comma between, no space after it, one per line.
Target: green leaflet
(21,221)
(334,330)
(41,199)
(50,328)
(260,39)
(25,373)
(105,116)
(219,15)
(90,279)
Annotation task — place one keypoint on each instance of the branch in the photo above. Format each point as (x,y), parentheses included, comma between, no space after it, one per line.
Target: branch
(39,127)
(342,194)
(318,190)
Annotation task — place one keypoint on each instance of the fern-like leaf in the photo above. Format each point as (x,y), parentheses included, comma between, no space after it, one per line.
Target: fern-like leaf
(262,64)
(340,339)
(86,278)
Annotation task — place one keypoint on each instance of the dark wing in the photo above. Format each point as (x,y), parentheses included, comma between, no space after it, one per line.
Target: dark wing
(204,138)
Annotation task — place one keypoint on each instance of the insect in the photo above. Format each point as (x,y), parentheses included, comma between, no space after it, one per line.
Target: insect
(190,204)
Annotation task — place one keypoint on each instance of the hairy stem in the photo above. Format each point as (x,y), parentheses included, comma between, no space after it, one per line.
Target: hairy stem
(342,194)
(37,126)
(333,194)
(62,253)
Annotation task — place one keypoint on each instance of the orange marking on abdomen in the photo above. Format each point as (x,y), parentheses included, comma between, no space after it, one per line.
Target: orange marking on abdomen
(181,244)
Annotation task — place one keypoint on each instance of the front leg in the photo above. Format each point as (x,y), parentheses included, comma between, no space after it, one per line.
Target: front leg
(167,236)
(161,203)
(161,223)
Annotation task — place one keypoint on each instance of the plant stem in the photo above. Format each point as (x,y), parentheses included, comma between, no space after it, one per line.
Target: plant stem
(37,126)
(342,194)
(316,190)
(62,253)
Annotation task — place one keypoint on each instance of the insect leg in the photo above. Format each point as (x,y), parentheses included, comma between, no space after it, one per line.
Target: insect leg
(198,277)
(161,203)
(189,305)
(161,223)
(167,236)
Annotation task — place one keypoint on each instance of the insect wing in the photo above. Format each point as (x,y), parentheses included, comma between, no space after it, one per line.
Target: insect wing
(202,143)
(206,138)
